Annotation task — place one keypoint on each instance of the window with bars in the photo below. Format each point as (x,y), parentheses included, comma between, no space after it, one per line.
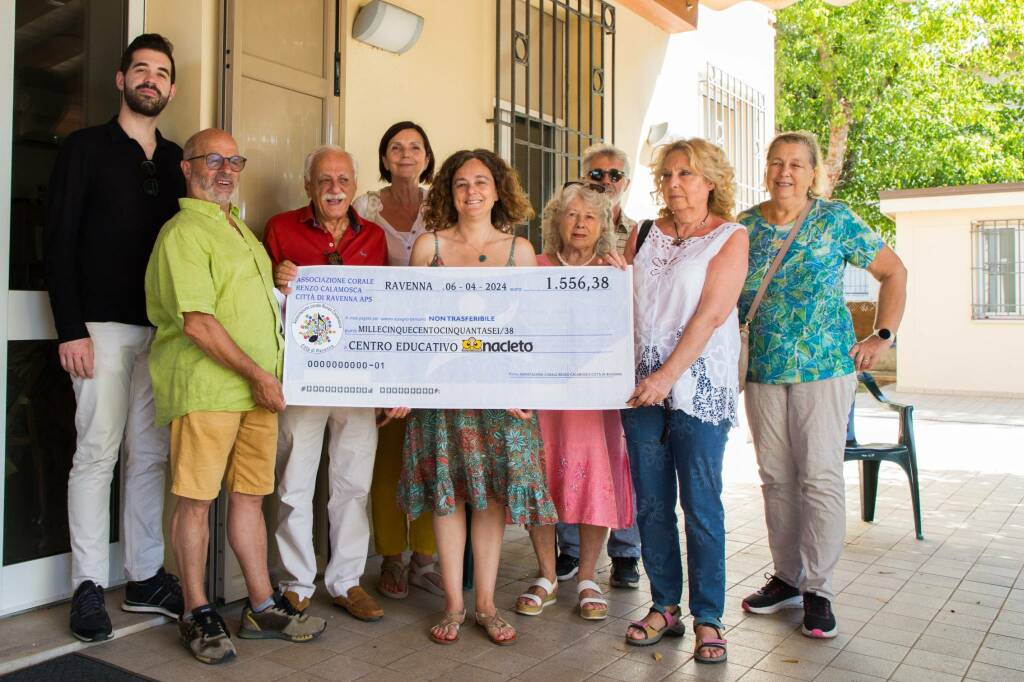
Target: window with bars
(998,269)
(734,116)
(555,82)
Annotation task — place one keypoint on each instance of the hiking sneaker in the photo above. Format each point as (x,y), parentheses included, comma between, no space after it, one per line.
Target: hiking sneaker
(566,566)
(819,621)
(280,621)
(773,597)
(625,572)
(89,619)
(205,634)
(159,594)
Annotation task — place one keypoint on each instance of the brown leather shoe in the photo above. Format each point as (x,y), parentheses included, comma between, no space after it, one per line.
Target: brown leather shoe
(360,605)
(298,603)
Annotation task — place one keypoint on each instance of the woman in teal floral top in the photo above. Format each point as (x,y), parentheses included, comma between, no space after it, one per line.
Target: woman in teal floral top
(801,381)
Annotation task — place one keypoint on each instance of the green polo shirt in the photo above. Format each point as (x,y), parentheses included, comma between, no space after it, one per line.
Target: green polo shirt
(202,264)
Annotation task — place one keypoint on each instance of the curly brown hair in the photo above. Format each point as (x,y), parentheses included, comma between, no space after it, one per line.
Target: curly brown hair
(710,161)
(512,206)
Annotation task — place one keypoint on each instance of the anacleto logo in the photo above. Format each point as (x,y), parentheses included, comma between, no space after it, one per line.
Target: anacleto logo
(475,345)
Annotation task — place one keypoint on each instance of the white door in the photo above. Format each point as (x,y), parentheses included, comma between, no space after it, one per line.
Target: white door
(56,75)
(280,103)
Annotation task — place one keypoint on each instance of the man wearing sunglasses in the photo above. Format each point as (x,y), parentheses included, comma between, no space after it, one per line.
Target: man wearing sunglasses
(609,166)
(112,187)
(326,231)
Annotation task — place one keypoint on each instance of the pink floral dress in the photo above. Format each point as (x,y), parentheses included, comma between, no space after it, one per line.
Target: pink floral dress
(586,462)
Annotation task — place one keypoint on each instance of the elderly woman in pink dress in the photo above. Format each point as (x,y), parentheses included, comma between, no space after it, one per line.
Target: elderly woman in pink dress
(585,450)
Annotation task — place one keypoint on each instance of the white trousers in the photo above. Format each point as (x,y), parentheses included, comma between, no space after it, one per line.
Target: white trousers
(116,406)
(351,450)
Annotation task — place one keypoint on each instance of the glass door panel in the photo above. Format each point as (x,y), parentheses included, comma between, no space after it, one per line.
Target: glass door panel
(65,56)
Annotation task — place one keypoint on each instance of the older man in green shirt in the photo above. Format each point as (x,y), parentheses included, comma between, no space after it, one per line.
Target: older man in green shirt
(215,362)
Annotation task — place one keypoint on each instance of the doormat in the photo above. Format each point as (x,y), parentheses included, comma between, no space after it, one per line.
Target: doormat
(74,667)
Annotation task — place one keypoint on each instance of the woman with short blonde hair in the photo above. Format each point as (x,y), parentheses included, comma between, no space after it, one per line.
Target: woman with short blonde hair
(688,268)
(802,377)
(584,450)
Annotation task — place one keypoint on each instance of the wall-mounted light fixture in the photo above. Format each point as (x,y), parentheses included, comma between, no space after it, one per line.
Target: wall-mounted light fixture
(387,26)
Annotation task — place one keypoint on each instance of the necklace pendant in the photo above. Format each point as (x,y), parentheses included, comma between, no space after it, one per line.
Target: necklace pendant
(678,241)
(482,258)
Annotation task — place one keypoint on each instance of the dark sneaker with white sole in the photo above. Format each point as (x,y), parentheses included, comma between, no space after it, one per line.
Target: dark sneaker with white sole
(819,620)
(159,594)
(775,596)
(566,566)
(89,619)
(625,572)
(280,621)
(206,636)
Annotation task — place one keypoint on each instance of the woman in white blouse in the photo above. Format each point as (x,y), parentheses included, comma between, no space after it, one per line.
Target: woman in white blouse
(406,161)
(689,266)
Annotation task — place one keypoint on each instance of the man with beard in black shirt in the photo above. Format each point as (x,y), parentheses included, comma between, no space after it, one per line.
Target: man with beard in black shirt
(113,187)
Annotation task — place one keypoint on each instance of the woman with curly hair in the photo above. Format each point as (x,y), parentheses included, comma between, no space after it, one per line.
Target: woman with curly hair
(585,451)
(489,459)
(688,269)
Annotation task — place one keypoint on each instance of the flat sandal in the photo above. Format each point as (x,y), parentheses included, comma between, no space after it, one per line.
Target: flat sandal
(456,618)
(492,625)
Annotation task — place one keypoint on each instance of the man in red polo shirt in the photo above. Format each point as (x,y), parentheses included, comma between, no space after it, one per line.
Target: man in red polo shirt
(327,231)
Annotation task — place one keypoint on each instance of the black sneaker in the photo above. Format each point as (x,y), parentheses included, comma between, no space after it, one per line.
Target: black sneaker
(819,621)
(159,594)
(89,619)
(566,566)
(773,597)
(206,636)
(625,572)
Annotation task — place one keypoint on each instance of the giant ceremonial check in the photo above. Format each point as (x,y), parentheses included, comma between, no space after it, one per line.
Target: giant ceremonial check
(544,337)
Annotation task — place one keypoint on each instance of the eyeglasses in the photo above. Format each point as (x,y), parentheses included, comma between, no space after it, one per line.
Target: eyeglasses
(333,257)
(585,185)
(149,185)
(216,161)
(597,174)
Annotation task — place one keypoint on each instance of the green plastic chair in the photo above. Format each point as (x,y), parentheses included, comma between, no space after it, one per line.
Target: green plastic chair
(871,455)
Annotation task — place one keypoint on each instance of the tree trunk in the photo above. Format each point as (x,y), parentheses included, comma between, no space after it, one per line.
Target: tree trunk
(835,157)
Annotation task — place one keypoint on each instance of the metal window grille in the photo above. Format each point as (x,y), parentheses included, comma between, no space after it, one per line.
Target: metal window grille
(734,116)
(555,86)
(998,269)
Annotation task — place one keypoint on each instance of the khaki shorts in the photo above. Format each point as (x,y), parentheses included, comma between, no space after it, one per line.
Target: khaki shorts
(236,448)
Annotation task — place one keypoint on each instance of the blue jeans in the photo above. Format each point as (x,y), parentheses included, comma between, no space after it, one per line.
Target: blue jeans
(623,543)
(694,449)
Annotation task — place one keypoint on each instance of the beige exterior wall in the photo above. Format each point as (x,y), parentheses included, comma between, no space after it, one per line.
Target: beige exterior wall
(193,26)
(941,349)
(445,82)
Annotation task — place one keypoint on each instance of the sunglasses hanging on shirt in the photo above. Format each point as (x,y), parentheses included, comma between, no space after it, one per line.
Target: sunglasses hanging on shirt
(149,184)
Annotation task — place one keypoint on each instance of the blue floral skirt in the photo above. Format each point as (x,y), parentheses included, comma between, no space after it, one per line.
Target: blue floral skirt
(455,456)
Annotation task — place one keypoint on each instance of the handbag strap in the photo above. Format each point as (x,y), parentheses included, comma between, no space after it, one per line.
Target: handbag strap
(774,267)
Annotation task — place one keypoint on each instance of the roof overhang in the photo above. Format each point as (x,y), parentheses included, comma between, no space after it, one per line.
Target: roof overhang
(951,198)
(677,16)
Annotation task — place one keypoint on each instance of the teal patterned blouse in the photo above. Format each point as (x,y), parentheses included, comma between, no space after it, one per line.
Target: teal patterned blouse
(802,331)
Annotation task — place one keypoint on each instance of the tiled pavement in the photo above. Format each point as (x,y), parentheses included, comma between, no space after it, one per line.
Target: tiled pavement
(948,607)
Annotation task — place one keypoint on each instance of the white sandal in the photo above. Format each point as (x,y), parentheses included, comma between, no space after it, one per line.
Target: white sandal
(591,614)
(539,603)
(418,577)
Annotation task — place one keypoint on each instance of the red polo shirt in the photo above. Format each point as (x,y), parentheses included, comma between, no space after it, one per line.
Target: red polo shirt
(297,236)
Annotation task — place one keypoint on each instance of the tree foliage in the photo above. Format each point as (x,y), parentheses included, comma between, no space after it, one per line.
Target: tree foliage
(903,95)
